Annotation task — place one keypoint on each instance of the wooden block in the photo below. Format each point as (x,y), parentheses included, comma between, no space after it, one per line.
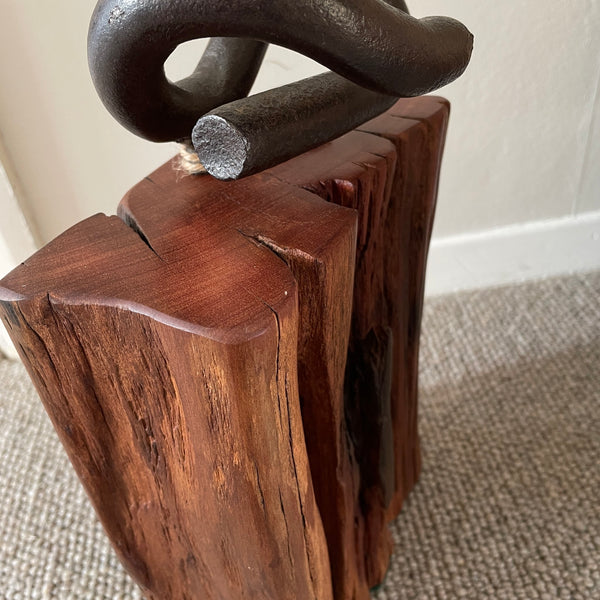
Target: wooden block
(232,367)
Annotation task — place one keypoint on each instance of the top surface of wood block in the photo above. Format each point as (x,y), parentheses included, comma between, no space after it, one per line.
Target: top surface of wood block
(228,230)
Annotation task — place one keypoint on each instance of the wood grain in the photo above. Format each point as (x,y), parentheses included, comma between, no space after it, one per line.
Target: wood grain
(391,180)
(232,367)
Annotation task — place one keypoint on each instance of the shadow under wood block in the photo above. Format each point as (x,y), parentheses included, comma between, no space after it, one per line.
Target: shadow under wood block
(232,367)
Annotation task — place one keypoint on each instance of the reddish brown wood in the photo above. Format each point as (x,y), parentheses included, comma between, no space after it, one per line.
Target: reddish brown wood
(193,358)
(392,183)
(417,127)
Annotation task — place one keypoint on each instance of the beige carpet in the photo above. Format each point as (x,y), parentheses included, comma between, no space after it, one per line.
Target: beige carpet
(509,501)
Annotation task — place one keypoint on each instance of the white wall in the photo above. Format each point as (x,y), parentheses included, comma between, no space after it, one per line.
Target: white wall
(520,127)
(520,192)
(16,240)
(524,142)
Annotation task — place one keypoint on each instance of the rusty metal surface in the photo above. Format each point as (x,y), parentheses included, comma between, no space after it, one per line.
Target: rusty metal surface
(378,47)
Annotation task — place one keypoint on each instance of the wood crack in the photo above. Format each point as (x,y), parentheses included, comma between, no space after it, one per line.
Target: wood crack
(134,226)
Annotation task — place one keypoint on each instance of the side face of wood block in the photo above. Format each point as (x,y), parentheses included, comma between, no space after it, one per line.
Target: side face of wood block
(388,171)
(232,367)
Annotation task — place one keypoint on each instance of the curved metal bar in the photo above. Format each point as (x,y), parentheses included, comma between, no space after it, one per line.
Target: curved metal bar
(252,134)
(261,131)
(373,44)
(144,101)
(399,4)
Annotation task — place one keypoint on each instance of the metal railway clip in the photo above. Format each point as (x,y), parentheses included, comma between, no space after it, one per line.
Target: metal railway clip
(376,51)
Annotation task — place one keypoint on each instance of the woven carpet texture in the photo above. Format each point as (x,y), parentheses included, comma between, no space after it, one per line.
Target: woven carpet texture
(508,506)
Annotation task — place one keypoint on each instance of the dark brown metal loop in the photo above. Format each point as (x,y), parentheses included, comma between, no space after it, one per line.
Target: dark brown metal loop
(370,42)
(375,48)
(133,85)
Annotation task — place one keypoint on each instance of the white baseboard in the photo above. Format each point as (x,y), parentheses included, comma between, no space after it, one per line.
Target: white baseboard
(513,254)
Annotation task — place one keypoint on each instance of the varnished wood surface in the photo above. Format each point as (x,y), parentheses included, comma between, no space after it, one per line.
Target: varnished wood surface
(192,356)
(392,183)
